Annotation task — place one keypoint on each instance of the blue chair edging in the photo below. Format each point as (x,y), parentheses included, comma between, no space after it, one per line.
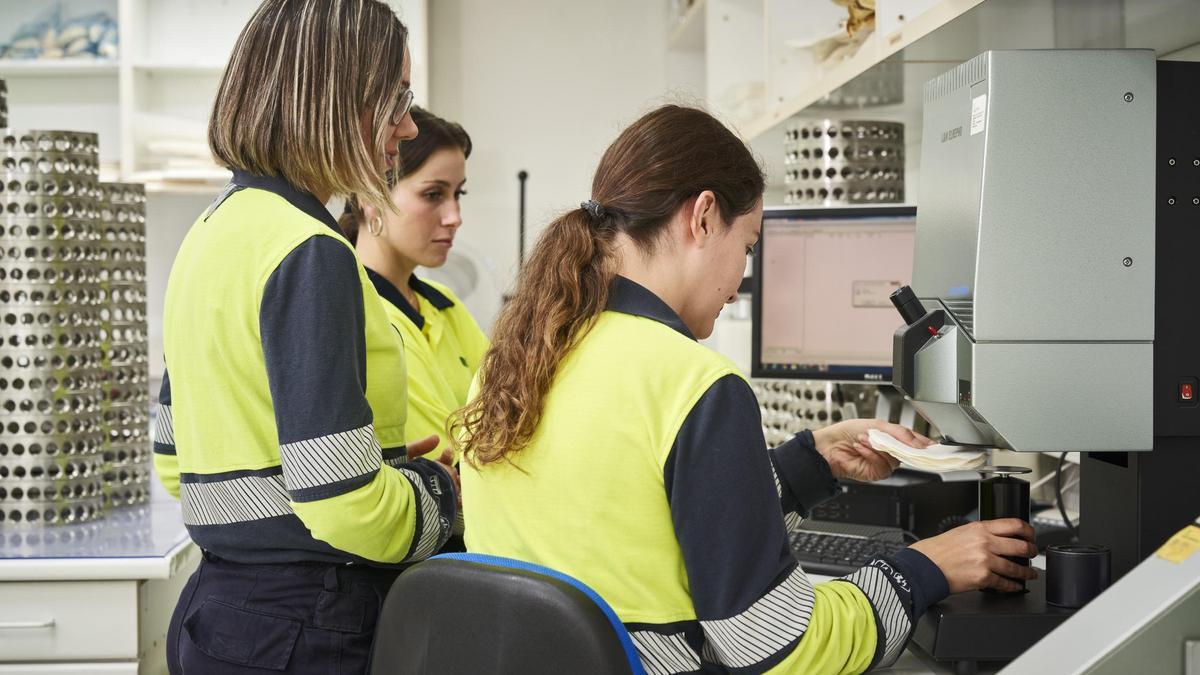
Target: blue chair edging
(631,653)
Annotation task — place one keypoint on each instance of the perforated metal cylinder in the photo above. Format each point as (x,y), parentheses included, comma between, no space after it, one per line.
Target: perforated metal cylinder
(830,162)
(51,460)
(125,377)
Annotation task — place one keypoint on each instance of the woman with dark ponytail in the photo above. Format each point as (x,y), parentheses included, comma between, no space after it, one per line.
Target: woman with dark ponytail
(605,442)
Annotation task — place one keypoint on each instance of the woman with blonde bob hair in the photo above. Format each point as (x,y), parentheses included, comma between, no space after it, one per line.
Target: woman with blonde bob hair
(606,443)
(281,421)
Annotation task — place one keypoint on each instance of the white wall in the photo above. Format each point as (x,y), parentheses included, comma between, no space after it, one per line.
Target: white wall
(545,86)
(415,15)
(168,218)
(540,85)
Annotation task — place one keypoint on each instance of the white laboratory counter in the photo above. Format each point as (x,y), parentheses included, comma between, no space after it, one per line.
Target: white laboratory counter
(93,597)
(97,597)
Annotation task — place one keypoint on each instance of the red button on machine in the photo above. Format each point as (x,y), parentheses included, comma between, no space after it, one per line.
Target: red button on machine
(1186,391)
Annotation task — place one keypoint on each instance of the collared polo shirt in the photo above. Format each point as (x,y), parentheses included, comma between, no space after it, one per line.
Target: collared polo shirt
(281,423)
(443,348)
(648,479)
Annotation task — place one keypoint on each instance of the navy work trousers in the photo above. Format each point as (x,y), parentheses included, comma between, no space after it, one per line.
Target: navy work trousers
(297,618)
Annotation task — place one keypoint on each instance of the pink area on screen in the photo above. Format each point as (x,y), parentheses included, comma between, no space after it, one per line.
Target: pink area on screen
(826,285)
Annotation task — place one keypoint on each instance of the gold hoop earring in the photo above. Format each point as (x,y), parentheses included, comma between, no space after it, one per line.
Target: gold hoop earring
(375,226)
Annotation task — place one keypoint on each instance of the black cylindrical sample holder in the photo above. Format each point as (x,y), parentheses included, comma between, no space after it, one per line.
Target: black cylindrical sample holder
(1076,573)
(906,302)
(1005,497)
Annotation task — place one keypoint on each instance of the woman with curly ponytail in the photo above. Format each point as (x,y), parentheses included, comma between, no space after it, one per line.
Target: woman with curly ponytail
(604,441)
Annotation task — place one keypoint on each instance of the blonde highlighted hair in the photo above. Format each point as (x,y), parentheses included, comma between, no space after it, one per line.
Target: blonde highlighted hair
(301,78)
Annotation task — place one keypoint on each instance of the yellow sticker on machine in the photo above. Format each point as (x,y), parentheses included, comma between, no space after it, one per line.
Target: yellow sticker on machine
(1181,546)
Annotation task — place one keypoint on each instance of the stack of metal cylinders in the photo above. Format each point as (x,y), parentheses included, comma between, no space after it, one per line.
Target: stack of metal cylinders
(125,374)
(830,162)
(51,305)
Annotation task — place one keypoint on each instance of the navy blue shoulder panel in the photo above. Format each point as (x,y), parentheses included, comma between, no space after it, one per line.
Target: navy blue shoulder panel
(724,505)
(313,338)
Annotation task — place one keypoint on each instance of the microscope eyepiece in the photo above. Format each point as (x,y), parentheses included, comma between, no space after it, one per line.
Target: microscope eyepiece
(906,302)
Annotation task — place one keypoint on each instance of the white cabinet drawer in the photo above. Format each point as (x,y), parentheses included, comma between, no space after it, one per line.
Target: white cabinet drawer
(59,621)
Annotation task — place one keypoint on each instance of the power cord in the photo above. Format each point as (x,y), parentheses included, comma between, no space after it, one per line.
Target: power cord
(1058,496)
(950,522)
(906,537)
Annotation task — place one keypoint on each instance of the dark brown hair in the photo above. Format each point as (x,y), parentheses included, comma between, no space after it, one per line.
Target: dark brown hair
(654,168)
(433,134)
(292,99)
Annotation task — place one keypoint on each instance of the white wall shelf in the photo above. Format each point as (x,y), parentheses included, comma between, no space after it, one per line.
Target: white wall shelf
(874,50)
(187,69)
(914,41)
(150,106)
(200,180)
(12,68)
(952,31)
(151,103)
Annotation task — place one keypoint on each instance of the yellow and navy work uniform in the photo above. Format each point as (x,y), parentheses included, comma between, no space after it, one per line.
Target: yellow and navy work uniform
(281,428)
(648,479)
(442,349)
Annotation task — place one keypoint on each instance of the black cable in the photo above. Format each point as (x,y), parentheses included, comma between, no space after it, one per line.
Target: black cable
(948,523)
(904,535)
(1062,509)
(522,176)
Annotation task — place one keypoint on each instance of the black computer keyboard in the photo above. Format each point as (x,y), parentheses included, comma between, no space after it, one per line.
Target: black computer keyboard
(838,554)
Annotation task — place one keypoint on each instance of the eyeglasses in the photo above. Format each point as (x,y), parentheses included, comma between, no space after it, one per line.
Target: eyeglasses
(403,103)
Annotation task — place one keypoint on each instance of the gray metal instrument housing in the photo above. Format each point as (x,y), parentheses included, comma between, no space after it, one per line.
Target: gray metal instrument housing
(1035,235)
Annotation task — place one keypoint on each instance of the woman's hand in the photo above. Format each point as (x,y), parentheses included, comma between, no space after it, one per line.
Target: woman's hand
(420,448)
(972,556)
(849,453)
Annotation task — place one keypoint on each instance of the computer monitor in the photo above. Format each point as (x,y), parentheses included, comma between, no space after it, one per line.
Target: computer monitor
(821,282)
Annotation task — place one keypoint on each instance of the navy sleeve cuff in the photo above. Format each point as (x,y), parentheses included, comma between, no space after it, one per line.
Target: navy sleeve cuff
(804,475)
(164,426)
(929,585)
(437,506)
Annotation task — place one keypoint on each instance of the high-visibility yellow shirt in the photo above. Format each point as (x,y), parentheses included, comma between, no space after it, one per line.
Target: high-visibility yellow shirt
(648,479)
(281,421)
(443,347)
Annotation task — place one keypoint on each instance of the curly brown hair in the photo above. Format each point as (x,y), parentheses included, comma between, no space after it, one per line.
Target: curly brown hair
(653,169)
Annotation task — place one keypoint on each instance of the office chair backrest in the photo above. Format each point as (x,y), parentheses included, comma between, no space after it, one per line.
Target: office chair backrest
(466,613)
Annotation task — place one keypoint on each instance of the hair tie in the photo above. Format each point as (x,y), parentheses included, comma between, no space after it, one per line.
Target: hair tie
(594,209)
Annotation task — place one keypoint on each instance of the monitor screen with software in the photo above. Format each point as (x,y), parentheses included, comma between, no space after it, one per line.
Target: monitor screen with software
(821,282)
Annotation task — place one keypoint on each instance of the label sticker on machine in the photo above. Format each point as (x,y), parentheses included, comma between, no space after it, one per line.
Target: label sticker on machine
(978,114)
(1181,546)
(873,293)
